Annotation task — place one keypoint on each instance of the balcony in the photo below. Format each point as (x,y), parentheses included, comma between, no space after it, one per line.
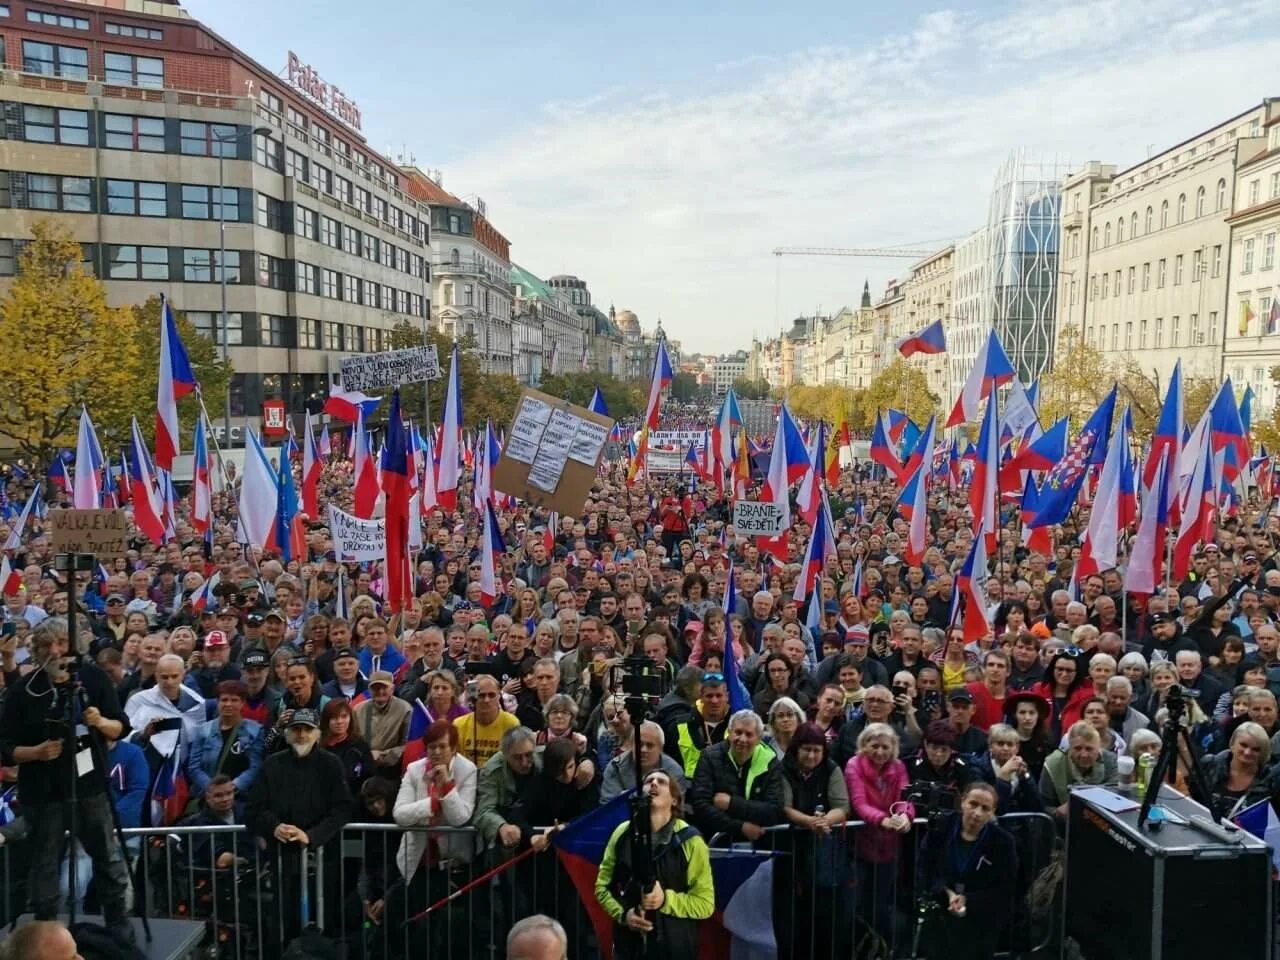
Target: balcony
(1073,220)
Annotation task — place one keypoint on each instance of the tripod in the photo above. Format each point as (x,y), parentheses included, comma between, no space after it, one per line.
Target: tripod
(1170,736)
(68,564)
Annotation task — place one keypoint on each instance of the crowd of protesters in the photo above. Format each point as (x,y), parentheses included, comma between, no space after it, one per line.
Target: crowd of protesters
(286,702)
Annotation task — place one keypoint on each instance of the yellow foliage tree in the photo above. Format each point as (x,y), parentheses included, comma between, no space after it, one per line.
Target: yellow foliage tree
(830,403)
(68,348)
(1080,379)
(900,386)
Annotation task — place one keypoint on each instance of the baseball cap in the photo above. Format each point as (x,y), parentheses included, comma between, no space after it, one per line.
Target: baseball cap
(215,638)
(277,613)
(249,585)
(857,634)
(305,717)
(346,653)
(960,695)
(383,676)
(115,598)
(890,558)
(1165,616)
(254,619)
(256,659)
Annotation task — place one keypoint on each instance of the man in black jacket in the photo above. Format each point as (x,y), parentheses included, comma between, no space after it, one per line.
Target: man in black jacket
(38,732)
(737,786)
(300,802)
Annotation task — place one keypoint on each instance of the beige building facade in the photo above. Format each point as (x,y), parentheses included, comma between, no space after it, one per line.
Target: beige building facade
(927,296)
(1145,250)
(1252,346)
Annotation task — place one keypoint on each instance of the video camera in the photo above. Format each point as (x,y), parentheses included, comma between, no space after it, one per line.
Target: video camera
(936,799)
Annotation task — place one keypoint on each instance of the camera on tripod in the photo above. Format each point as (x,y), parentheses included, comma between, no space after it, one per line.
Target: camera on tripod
(1176,697)
(935,799)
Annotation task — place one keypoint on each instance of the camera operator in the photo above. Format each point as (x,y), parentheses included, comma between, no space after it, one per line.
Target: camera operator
(41,713)
(968,867)
(661,921)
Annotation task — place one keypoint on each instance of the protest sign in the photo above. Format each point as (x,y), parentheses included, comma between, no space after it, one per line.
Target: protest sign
(104,533)
(754,519)
(390,369)
(354,539)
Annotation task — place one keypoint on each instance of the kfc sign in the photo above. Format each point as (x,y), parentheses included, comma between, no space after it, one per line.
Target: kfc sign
(273,417)
(325,95)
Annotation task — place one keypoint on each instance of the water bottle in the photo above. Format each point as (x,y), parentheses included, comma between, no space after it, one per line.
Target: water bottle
(1145,763)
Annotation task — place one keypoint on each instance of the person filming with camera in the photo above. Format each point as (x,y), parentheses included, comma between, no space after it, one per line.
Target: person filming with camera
(45,728)
(968,868)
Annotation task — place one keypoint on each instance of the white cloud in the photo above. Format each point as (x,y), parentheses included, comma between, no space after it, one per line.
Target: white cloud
(669,202)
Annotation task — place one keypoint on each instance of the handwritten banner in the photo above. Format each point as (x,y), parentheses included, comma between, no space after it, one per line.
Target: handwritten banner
(104,533)
(355,540)
(390,369)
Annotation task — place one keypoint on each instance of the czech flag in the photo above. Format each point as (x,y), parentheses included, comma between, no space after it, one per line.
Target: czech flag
(991,368)
(176,381)
(349,405)
(597,403)
(366,476)
(259,495)
(1146,554)
(1228,431)
(580,847)
(662,376)
(930,340)
(201,489)
(968,581)
(148,510)
(312,462)
(89,461)
(882,451)
(491,546)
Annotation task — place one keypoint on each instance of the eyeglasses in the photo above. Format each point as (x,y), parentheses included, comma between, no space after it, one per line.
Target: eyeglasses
(1070,670)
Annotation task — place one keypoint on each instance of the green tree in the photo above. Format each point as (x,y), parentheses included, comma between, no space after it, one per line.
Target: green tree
(211,374)
(1080,379)
(751,389)
(684,387)
(67,348)
(622,399)
(899,385)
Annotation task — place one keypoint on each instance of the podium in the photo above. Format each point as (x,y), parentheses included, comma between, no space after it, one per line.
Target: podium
(1167,894)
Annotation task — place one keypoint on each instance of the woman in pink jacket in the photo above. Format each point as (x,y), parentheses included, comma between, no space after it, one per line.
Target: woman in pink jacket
(876,780)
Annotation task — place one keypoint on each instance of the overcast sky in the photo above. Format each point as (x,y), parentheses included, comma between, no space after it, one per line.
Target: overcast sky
(660,155)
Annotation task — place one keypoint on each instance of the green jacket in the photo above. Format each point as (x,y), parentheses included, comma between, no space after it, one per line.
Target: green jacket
(698,902)
(495,793)
(754,789)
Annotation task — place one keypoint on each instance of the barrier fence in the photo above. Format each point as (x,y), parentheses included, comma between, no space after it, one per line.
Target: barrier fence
(830,898)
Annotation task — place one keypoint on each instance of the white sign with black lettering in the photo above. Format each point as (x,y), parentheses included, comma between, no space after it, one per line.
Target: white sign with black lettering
(754,519)
(553,450)
(354,539)
(526,431)
(391,368)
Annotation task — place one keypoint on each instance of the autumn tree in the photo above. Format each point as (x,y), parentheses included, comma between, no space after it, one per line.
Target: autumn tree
(67,348)
(211,374)
(829,402)
(1079,381)
(900,386)
(751,389)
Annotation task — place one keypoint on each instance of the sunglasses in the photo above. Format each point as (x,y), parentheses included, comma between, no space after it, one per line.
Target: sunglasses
(713,678)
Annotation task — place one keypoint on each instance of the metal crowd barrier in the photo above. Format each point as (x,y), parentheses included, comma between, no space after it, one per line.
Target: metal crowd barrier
(829,898)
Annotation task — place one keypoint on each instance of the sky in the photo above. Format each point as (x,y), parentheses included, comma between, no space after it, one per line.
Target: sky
(661,154)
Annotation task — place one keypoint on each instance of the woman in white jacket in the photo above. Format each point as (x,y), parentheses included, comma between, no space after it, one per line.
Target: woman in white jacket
(437,791)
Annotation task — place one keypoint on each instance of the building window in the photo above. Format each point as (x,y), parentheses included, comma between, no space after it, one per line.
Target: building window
(209,324)
(1116,287)
(1264,308)
(133,71)
(1160,274)
(271,272)
(125,132)
(55,60)
(1142,334)
(208,139)
(270,100)
(1213,325)
(1222,195)
(1095,236)
(1174,332)
(1196,337)
(268,152)
(204,266)
(1147,228)
(270,212)
(1275,185)
(1247,265)
(1217,261)
(51,125)
(371,248)
(1200,202)
(351,289)
(361,198)
(305,278)
(1177,270)
(1106,236)
(328,231)
(1146,277)
(128,30)
(1106,282)
(295,165)
(1128,335)
(332,335)
(329,284)
(355,338)
(342,189)
(322,178)
(1268,251)
(388,257)
(304,221)
(136,198)
(350,240)
(55,20)
(1182,207)
(128,262)
(1133,279)
(1197,265)
(308,333)
(1164,214)
(577,294)
(468,295)
(48,192)
(271,331)
(1255,190)
(455,226)
(201,203)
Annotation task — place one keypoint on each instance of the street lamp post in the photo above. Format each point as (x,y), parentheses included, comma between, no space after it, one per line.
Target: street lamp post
(224,332)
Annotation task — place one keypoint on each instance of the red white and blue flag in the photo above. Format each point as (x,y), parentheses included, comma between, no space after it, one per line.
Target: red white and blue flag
(1062,484)
(984,488)
(312,463)
(201,486)
(932,339)
(176,381)
(89,463)
(448,474)
(148,508)
(991,368)
(969,605)
(491,546)
(349,405)
(366,474)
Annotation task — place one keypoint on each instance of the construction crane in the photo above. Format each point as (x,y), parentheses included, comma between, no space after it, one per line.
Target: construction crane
(870,252)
